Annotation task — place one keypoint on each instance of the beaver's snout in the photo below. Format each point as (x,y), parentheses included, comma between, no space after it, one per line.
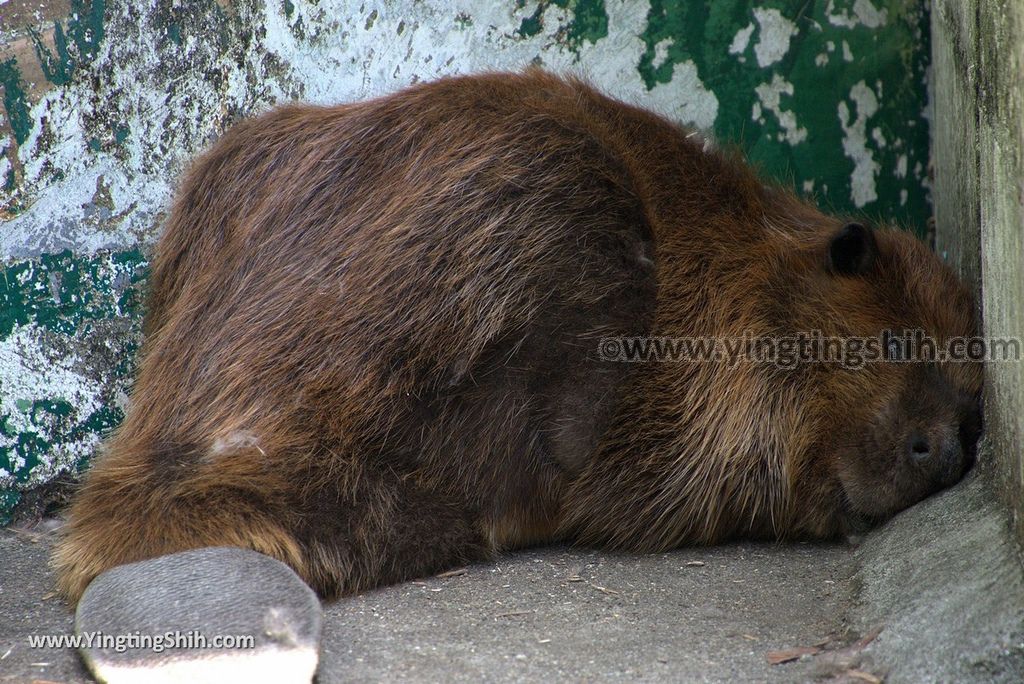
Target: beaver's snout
(941,457)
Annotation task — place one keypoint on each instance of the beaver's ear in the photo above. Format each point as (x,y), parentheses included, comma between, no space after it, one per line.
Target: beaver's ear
(852,250)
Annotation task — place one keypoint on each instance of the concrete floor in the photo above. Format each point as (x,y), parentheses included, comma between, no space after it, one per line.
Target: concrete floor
(942,582)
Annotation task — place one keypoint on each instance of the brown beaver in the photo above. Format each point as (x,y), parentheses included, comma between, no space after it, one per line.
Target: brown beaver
(372,346)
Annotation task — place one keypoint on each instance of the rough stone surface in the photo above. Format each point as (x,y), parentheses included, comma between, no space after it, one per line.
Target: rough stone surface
(942,581)
(1001,185)
(946,582)
(955,128)
(103,103)
(979,154)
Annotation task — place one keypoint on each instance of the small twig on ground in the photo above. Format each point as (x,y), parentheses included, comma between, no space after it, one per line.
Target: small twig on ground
(603,590)
(452,573)
(790,654)
(869,637)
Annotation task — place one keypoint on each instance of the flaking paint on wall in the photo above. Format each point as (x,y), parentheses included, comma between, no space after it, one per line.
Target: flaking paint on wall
(104,102)
(69,327)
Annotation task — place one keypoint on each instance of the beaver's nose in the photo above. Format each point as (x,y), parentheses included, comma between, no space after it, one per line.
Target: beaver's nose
(940,456)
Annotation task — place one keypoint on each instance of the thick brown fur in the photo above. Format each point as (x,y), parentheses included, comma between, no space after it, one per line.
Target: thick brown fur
(371,346)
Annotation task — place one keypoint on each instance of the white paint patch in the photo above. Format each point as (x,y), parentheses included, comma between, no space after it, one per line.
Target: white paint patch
(821,60)
(847,52)
(340,56)
(700,111)
(741,40)
(865,171)
(879,137)
(58,220)
(770,95)
(809,186)
(773,41)
(27,373)
(864,14)
(904,195)
(901,166)
(661,52)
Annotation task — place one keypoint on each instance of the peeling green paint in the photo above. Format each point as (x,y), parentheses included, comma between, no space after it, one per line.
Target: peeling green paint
(76,46)
(173,32)
(9,498)
(60,292)
(15,104)
(809,82)
(52,309)
(589,21)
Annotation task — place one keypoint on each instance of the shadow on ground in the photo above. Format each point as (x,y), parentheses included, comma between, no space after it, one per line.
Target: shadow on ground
(942,581)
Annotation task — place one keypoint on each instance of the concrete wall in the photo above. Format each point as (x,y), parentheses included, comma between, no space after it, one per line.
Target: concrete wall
(104,101)
(979,182)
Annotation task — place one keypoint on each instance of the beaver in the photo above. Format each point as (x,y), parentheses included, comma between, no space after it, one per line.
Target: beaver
(373,346)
